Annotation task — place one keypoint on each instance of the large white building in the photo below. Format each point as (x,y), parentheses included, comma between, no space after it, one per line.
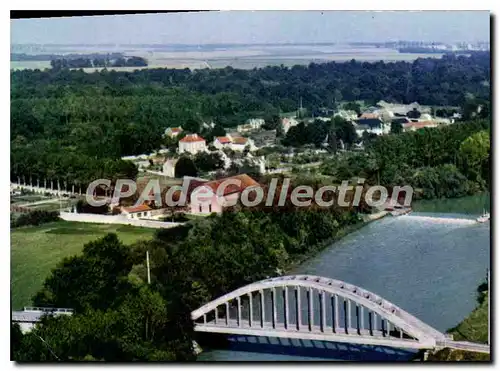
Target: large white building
(192,143)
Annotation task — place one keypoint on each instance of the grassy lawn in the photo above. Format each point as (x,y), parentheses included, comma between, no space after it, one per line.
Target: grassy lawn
(473,328)
(36,250)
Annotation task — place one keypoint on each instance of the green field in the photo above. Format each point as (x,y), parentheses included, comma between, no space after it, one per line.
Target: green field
(36,250)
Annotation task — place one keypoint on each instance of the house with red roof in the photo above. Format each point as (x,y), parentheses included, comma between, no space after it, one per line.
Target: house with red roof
(173,132)
(236,143)
(414,126)
(192,143)
(213,196)
(136,212)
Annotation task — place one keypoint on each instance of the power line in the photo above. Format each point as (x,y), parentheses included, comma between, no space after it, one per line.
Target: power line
(48,346)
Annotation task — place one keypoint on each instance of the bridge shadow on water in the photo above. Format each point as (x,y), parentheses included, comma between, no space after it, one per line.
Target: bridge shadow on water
(322,350)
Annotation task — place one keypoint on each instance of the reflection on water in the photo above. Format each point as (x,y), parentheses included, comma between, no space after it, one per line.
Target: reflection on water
(429,267)
(252,348)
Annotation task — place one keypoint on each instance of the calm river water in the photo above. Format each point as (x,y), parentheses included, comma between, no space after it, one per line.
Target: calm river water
(428,263)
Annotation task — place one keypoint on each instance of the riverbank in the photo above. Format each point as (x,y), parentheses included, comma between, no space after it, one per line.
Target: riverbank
(470,205)
(424,267)
(318,248)
(474,328)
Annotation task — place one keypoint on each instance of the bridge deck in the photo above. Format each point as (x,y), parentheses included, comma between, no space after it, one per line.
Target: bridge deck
(352,336)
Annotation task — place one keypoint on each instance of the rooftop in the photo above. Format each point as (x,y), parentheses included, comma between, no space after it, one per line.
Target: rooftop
(245,180)
(224,140)
(240,140)
(136,209)
(190,138)
(420,124)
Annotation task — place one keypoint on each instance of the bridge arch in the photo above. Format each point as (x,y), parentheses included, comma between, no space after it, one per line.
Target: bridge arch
(417,333)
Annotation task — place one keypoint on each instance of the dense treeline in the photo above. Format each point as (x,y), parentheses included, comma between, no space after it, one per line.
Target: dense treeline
(109,114)
(35,217)
(450,161)
(86,62)
(429,81)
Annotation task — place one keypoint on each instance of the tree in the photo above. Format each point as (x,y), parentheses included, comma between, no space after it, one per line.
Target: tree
(344,130)
(475,152)
(208,161)
(353,106)
(185,167)
(396,128)
(413,114)
(91,280)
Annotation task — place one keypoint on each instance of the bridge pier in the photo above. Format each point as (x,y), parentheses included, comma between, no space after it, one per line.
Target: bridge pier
(262,309)
(297,307)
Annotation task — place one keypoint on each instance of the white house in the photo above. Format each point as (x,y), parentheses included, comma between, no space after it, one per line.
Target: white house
(205,200)
(413,126)
(169,167)
(208,126)
(240,143)
(251,124)
(372,125)
(192,143)
(136,212)
(235,143)
(222,142)
(287,123)
(173,132)
(346,115)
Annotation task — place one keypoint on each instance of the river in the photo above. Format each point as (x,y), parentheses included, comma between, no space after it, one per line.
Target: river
(428,263)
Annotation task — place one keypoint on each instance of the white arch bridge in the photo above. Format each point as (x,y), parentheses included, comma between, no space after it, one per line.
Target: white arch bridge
(317,308)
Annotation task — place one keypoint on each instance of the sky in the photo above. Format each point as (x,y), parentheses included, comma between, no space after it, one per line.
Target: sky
(260,27)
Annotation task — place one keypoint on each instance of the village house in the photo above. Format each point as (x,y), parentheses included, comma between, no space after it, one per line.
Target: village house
(137,212)
(264,138)
(192,143)
(173,132)
(237,143)
(169,167)
(208,126)
(413,126)
(371,125)
(251,124)
(201,190)
(287,123)
(347,115)
(222,142)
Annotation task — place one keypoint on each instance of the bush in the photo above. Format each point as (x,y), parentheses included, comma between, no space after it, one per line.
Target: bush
(84,208)
(35,217)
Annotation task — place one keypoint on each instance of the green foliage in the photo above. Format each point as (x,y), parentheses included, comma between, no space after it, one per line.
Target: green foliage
(185,167)
(73,126)
(208,161)
(35,217)
(353,106)
(475,154)
(396,128)
(434,162)
(93,280)
(83,207)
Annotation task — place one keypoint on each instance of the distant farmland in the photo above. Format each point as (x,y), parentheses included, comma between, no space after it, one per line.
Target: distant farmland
(245,57)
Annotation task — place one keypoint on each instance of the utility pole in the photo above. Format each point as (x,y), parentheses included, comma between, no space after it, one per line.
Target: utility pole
(489,308)
(147,265)
(149,282)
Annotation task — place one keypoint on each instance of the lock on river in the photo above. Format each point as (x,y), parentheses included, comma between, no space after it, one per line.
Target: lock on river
(429,263)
